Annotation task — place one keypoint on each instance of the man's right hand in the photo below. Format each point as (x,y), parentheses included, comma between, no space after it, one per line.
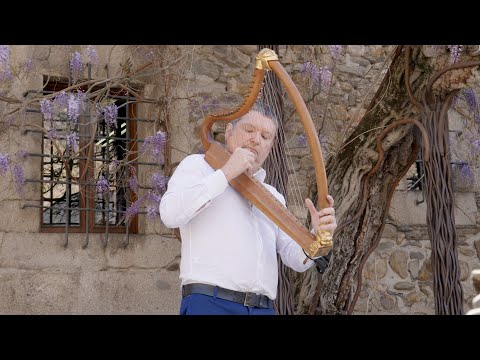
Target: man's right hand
(240,161)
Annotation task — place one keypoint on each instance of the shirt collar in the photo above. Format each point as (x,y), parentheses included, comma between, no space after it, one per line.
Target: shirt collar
(260,175)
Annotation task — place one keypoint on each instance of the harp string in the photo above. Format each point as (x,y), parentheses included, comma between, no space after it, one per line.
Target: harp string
(280,160)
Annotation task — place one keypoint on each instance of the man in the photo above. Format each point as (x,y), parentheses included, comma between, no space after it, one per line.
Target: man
(229,248)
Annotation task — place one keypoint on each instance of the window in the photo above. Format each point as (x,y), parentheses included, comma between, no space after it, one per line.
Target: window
(88,192)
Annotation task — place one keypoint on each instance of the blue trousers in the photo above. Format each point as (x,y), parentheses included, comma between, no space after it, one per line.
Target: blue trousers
(198,304)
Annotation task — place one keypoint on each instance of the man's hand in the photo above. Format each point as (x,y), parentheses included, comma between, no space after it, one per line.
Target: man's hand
(323,219)
(240,161)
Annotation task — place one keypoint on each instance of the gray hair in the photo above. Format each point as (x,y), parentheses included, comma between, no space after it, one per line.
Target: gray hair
(263,109)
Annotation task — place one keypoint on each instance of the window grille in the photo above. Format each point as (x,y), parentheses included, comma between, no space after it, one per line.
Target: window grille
(97,198)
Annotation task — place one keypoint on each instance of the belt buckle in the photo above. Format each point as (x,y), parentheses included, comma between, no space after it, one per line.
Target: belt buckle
(251,299)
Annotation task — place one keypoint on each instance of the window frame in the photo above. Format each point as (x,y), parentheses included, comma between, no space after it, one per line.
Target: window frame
(87,191)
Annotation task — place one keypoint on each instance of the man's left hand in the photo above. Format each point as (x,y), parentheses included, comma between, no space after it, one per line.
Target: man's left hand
(323,219)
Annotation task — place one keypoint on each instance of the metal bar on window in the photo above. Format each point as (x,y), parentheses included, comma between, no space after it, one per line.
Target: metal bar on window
(84,136)
(67,197)
(88,116)
(107,202)
(74,208)
(78,183)
(127,192)
(86,129)
(47,92)
(420,175)
(87,158)
(51,178)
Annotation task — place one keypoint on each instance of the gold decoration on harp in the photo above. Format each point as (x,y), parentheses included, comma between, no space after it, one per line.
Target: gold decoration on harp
(263,57)
(324,239)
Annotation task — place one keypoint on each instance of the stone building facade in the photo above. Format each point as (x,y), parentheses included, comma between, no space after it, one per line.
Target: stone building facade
(38,275)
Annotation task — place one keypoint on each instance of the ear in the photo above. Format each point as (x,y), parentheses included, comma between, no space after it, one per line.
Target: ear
(228,130)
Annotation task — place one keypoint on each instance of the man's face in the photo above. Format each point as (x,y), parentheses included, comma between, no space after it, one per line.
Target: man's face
(255,132)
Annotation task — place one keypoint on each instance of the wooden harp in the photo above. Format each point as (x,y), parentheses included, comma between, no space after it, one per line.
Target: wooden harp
(216,155)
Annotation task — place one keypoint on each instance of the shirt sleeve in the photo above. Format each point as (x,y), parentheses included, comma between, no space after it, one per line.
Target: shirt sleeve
(290,251)
(190,190)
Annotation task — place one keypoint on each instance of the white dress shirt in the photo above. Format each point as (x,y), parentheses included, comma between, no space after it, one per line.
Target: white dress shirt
(226,241)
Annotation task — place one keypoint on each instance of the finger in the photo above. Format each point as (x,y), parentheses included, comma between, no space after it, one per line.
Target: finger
(326,219)
(326,211)
(329,227)
(330,200)
(311,207)
(249,152)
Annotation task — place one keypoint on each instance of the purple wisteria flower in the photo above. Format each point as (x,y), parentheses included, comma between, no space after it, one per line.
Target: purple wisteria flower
(29,65)
(132,181)
(98,110)
(476,145)
(76,66)
(52,134)
(72,142)
(152,212)
(311,71)
(316,75)
(207,103)
(153,205)
(156,143)
(466,174)
(60,102)
(210,105)
(323,139)
(134,208)
(149,55)
(4,54)
(110,115)
(470,97)
(22,154)
(158,182)
(455,98)
(326,77)
(46,108)
(19,178)
(4,163)
(81,98)
(92,54)
(6,74)
(455,51)
(73,109)
(114,166)
(302,140)
(335,50)
(102,185)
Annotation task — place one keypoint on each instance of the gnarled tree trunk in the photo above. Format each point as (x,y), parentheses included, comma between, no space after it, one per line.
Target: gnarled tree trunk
(346,174)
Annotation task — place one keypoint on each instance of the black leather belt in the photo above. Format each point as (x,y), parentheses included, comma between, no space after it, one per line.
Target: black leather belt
(245,298)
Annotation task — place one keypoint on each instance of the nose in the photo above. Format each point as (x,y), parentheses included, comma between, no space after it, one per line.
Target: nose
(256,138)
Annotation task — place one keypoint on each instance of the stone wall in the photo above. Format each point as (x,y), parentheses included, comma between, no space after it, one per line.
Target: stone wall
(39,275)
